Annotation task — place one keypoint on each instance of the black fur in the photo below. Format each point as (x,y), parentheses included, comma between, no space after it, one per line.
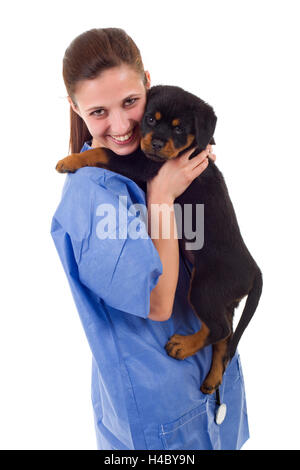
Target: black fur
(225,271)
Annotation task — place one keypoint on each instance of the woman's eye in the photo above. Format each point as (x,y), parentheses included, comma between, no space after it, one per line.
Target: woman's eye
(98,112)
(131,101)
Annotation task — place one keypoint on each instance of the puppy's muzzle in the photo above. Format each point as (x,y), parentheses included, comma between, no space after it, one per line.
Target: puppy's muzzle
(157,144)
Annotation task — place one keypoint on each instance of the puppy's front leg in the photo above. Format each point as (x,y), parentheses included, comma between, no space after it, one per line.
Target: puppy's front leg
(180,346)
(93,157)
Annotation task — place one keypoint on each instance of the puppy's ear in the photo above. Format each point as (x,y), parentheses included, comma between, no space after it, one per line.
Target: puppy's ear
(154,90)
(205,124)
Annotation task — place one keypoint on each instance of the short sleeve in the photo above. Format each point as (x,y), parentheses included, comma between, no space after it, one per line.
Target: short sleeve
(116,258)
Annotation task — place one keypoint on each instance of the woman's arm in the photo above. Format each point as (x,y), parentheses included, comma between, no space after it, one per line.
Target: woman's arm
(172,180)
(162,296)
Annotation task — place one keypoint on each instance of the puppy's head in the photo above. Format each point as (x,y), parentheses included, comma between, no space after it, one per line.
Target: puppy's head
(175,121)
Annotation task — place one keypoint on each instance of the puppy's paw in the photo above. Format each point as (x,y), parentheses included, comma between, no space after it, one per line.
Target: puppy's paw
(212,382)
(180,347)
(69,164)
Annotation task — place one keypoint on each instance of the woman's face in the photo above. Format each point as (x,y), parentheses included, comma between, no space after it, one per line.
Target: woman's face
(112,106)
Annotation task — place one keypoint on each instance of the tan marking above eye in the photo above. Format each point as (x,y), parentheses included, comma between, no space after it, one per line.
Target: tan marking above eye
(175,122)
(157,115)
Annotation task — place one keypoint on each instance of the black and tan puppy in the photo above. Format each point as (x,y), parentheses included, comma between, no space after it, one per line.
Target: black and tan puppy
(223,269)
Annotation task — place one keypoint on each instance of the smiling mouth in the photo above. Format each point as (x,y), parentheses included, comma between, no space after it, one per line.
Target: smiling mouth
(126,138)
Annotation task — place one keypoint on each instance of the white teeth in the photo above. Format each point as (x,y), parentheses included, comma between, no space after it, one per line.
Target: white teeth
(123,137)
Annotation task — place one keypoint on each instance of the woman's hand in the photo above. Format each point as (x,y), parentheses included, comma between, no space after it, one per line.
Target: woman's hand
(177,174)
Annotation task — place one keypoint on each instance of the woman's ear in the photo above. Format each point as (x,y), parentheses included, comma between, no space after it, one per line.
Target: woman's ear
(205,124)
(148,84)
(73,106)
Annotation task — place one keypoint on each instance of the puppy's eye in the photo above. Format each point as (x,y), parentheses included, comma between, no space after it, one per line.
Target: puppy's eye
(151,121)
(178,130)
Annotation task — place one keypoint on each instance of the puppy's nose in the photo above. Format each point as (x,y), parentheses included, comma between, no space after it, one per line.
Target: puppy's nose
(157,144)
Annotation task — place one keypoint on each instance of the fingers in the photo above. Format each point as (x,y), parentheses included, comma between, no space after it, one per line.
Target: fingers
(212,156)
(200,158)
(198,169)
(185,156)
(200,162)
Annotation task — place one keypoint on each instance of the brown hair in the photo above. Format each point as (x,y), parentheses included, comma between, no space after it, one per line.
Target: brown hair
(87,56)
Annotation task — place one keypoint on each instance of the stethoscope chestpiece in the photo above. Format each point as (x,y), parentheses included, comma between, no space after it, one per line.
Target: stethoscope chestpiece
(221,409)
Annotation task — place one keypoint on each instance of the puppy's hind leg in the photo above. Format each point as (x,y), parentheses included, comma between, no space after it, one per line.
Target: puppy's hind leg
(210,307)
(214,377)
(219,361)
(212,314)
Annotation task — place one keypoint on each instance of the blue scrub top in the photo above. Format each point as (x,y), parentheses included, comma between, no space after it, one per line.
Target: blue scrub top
(142,398)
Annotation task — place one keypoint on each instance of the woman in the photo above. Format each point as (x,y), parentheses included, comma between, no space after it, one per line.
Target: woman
(131,294)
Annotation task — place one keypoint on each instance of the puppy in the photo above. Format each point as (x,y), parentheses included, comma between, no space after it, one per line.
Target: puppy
(223,269)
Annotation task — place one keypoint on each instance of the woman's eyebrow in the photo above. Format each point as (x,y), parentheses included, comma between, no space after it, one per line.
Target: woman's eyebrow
(125,99)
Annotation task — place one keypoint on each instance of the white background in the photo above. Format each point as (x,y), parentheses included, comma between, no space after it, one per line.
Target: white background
(240,56)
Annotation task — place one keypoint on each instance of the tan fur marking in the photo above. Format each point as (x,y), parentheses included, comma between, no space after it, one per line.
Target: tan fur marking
(92,157)
(181,346)
(146,142)
(157,115)
(175,122)
(215,375)
(170,151)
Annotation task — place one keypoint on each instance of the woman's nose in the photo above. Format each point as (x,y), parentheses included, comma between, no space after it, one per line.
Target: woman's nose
(119,124)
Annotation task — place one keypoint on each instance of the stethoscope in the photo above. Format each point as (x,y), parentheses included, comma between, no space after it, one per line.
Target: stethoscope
(221,408)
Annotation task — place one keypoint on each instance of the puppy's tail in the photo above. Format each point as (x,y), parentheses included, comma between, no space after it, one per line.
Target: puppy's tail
(249,309)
